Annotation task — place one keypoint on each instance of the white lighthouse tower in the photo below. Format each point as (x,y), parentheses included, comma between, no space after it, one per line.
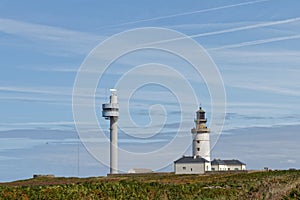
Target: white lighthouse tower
(201,143)
(111,112)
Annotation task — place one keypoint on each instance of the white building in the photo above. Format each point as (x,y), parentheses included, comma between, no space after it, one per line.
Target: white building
(139,171)
(191,165)
(227,165)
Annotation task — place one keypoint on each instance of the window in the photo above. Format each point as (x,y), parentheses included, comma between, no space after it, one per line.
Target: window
(236,168)
(191,169)
(198,141)
(228,169)
(213,169)
(184,168)
(198,149)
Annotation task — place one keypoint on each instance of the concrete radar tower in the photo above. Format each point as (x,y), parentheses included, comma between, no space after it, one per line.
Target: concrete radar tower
(201,144)
(110,111)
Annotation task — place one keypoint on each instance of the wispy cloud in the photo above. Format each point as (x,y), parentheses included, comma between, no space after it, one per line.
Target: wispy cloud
(270,88)
(234,63)
(38,123)
(248,27)
(256,42)
(43,32)
(51,91)
(51,125)
(44,95)
(54,69)
(252,144)
(44,100)
(189,13)
(235,29)
(73,41)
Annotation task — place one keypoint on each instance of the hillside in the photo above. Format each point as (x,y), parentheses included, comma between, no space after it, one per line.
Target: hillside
(255,185)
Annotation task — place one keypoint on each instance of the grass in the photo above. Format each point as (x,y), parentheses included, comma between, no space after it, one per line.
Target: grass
(255,185)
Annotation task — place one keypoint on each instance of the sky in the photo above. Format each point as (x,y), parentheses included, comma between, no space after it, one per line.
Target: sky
(255,46)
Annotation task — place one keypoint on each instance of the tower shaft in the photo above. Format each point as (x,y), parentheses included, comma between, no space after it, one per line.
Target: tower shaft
(111,111)
(113,145)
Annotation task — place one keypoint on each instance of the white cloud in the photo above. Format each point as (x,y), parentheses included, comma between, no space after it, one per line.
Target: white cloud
(43,32)
(235,29)
(248,27)
(44,100)
(253,144)
(38,123)
(256,42)
(56,69)
(61,38)
(269,88)
(190,13)
(278,68)
(292,161)
(44,95)
(51,91)
(232,61)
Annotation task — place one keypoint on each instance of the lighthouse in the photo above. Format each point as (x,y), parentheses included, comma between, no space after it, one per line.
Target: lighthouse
(201,142)
(110,111)
(200,162)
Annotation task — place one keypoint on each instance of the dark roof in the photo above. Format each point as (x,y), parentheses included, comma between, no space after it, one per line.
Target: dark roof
(191,159)
(226,162)
(218,162)
(201,110)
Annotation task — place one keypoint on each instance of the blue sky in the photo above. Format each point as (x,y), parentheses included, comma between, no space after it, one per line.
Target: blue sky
(255,45)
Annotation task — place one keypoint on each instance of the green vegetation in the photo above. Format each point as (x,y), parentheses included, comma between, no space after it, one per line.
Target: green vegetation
(254,185)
